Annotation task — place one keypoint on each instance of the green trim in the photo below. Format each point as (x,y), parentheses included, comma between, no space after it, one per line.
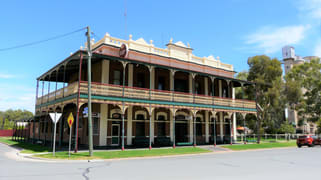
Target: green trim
(165,102)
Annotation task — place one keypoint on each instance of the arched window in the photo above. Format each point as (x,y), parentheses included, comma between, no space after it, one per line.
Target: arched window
(180,117)
(161,118)
(140,117)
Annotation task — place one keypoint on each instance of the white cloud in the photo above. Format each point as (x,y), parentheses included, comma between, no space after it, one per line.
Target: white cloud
(310,8)
(6,76)
(271,39)
(17,97)
(317,49)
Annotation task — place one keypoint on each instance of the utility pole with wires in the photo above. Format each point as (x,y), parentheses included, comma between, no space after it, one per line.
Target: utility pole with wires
(90,129)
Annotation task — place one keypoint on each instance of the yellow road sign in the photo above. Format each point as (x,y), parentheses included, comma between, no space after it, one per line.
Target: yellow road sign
(70,120)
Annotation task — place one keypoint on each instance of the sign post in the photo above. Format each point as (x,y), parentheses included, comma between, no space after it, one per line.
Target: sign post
(55,118)
(70,121)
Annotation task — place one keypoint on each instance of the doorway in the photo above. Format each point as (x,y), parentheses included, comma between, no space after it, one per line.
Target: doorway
(115,133)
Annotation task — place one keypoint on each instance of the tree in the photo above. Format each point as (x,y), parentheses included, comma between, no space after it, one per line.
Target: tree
(8,117)
(267,74)
(286,128)
(303,90)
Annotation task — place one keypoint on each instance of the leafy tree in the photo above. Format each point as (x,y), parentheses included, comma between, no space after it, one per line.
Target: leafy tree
(286,128)
(303,90)
(8,117)
(267,74)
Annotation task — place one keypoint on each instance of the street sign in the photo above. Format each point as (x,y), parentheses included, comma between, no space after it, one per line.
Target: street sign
(70,120)
(85,111)
(55,117)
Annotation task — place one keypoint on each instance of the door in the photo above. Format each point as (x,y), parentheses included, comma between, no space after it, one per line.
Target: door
(181,132)
(115,133)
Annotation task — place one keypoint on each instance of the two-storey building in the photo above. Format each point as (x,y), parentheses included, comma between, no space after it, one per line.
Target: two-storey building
(163,96)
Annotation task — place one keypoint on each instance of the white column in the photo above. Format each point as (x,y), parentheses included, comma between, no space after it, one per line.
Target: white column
(103,125)
(105,71)
(171,80)
(190,83)
(220,88)
(221,125)
(207,126)
(171,124)
(191,130)
(234,126)
(129,125)
(206,86)
(130,75)
(234,115)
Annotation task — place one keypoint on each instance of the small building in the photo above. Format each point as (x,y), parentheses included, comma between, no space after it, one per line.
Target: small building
(163,96)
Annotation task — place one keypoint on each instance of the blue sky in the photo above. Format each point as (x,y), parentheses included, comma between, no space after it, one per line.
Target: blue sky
(233,30)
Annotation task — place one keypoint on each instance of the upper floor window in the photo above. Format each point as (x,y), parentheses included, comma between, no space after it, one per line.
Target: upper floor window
(116,77)
(141,80)
(161,83)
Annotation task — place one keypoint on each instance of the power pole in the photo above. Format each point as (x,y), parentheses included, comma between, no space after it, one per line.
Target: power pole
(90,129)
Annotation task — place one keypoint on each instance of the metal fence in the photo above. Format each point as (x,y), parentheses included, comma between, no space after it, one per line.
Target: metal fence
(269,137)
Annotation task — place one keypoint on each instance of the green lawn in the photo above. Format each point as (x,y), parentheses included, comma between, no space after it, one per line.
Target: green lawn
(27,147)
(127,153)
(239,147)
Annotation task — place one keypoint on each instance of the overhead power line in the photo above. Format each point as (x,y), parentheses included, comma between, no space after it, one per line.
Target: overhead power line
(42,41)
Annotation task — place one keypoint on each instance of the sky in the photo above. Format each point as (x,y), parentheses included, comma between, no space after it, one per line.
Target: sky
(234,30)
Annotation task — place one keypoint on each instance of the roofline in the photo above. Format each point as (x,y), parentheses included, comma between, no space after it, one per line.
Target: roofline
(62,62)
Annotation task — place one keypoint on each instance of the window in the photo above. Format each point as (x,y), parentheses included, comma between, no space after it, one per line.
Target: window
(198,127)
(181,85)
(161,129)
(161,118)
(116,77)
(141,80)
(225,92)
(140,128)
(95,126)
(161,83)
(140,117)
(197,88)
(180,117)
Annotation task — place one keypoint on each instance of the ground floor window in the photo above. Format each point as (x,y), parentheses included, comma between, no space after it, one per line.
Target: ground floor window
(161,129)
(140,128)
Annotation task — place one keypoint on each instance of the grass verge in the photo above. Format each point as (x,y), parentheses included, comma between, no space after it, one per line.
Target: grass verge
(240,147)
(125,154)
(27,147)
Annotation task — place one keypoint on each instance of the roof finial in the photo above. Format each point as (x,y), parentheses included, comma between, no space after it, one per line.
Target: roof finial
(171,40)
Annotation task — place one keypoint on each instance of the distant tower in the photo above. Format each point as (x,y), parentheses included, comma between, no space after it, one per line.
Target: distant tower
(290,60)
(288,54)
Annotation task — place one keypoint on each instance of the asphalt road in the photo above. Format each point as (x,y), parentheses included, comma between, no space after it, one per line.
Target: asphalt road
(285,164)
